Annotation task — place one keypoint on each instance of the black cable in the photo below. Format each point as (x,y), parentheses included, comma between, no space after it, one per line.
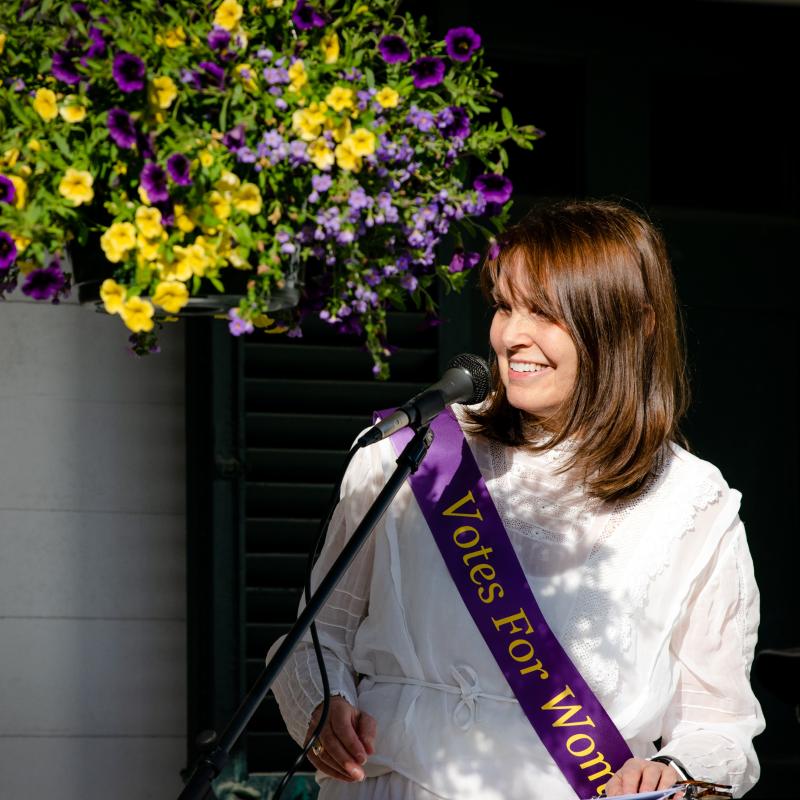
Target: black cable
(313,554)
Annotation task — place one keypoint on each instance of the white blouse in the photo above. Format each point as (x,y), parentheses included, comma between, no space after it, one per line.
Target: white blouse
(654,601)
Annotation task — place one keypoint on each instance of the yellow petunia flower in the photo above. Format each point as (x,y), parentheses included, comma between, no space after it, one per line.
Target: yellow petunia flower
(9,158)
(248,79)
(76,185)
(112,295)
(346,158)
(34,145)
(193,258)
(339,98)
(227,183)
(361,142)
(20,241)
(118,240)
(21,189)
(72,110)
(320,154)
(228,14)
(248,199)
(162,91)
(150,249)
(206,159)
(44,104)
(143,196)
(148,221)
(172,296)
(388,97)
(183,220)
(137,314)
(308,122)
(330,47)
(274,3)
(175,37)
(297,75)
(2,42)
(341,131)
(219,205)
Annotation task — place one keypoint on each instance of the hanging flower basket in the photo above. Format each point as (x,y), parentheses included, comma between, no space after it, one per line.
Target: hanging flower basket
(223,146)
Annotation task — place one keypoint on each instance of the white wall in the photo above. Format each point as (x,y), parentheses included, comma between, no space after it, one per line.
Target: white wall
(92,567)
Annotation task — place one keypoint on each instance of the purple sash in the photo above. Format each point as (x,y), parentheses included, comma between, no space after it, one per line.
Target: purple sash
(454,499)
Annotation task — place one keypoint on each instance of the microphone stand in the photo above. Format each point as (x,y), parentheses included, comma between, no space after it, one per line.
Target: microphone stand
(210,765)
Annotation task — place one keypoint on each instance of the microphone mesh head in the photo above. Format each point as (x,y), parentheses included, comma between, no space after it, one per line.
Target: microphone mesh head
(478,370)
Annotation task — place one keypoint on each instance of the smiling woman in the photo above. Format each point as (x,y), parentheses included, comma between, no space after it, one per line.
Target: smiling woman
(579,492)
(586,337)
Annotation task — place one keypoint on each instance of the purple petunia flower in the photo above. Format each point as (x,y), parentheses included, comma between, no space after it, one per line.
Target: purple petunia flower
(453,122)
(462,260)
(129,71)
(461,43)
(8,251)
(121,127)
(494,188)
(218,38)
(45,283)
(237,326)
(428,71)
(393,49)
(97,45)
(214,74)
(306,16)
(154,181)
(63,68)
(178,166)
(234,138)
(8,192)
(494,250)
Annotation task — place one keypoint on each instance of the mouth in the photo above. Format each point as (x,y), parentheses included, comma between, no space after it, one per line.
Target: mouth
(523,369)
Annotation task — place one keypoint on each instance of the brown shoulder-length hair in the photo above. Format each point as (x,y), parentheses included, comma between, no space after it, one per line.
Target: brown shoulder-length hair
(600,271)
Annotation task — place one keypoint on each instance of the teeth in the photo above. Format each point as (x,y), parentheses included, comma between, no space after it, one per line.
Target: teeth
(516,366)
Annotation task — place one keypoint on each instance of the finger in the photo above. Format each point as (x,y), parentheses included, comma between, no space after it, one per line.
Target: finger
(336,754)
(669,777)
(367,729)
(342,727)
(323,764)
(651,776)
(613,785)
(631,774)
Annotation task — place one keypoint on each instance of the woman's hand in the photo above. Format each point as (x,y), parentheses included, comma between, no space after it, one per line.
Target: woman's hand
(641,775)
(347,739)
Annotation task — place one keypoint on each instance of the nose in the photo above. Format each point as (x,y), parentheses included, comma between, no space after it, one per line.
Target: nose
(516,330)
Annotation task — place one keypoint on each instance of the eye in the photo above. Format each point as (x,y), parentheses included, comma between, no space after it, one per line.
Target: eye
(500,305)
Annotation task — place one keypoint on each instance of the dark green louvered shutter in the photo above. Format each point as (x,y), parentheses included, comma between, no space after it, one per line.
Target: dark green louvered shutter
(304,402)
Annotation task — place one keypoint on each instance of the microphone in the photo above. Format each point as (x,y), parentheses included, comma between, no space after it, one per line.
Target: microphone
(466,380)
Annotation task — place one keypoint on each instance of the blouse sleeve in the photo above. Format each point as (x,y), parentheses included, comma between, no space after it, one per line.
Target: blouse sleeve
(298,688)
(714,715)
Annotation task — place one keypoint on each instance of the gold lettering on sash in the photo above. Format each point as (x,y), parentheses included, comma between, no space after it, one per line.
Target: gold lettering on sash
(575,738)
(471,542)
(598,759)
(571,711)
(512,620)
(526,646)
(454,512)
(486,571)
(487,593)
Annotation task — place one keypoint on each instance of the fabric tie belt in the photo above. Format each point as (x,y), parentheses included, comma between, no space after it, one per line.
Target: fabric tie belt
(467,686)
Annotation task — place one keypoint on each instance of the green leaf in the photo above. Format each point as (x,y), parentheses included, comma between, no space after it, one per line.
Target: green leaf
(508,120)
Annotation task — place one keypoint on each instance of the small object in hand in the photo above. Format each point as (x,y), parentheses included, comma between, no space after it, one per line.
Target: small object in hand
(317,749)
(695,790)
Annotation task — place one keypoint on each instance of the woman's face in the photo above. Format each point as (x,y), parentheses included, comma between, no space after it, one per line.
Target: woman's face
(537,358)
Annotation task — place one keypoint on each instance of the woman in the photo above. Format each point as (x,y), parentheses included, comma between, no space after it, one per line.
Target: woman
(632,546)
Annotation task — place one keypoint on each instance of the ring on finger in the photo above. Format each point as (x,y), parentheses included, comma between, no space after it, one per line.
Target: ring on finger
(318,749)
